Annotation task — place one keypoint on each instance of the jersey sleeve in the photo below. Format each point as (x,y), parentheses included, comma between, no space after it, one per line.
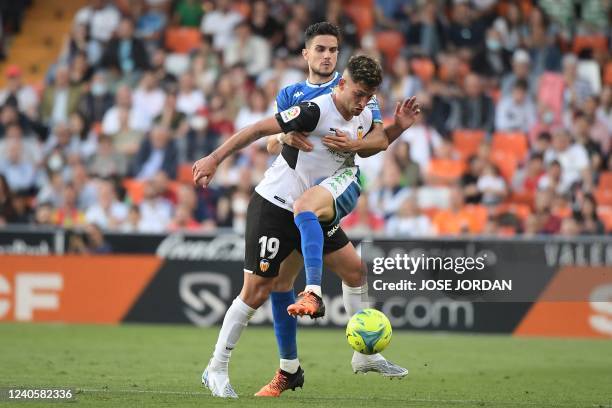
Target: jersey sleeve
(301,118)
(282,100)
(375,109)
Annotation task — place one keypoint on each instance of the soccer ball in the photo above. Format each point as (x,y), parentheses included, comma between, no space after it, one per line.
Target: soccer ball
(368,331)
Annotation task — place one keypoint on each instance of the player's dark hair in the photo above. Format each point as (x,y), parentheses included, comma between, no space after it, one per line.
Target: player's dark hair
(365,70)
(322,28)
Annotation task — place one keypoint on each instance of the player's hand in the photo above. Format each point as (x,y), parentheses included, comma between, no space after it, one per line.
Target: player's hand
(340,142)
(204,169)
(298,140)
(406,113)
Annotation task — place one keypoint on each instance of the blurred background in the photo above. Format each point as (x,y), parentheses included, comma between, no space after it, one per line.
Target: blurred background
(105,105)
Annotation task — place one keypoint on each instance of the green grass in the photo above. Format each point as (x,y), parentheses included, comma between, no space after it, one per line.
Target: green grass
(148,366)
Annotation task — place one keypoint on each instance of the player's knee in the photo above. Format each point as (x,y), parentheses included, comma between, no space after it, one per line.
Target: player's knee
(352,274)
(283,283)
(256,294)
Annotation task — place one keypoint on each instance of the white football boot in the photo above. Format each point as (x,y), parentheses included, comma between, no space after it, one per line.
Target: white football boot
(217,381)
(363,363)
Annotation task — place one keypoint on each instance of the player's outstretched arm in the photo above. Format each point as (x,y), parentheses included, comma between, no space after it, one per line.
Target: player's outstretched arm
(204,169)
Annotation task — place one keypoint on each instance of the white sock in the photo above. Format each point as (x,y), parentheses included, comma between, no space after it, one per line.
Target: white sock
(354,299)
(290,366)
(316,289)
(236,319)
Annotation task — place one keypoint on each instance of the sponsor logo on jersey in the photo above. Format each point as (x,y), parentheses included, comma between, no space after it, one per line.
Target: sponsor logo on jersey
(264,265)
(298,94)
(290,114)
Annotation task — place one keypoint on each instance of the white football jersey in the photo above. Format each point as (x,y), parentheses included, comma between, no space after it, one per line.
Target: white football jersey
(295,171)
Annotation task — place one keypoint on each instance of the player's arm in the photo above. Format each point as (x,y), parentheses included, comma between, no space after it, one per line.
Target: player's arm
(295,139)
(406,113)
(301,118)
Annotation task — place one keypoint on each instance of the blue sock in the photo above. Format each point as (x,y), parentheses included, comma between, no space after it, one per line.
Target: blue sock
(285,326)
(312,246)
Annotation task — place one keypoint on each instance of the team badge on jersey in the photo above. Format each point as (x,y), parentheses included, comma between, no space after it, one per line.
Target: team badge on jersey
(290,114)
(264,265)
(360,132)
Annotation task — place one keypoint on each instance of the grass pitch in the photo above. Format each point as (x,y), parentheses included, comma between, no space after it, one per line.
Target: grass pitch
(142,365)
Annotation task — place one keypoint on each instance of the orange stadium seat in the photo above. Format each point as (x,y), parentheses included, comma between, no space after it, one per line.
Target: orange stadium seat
(505,162)
(467,141)
(424,68)
(603,196)
(522,211)
(134,189)
(183,39)
(390,43)
(605,180)
(511,142)
(608,73)
(595,42)
(445,171)
(184,174)
(526,198)
(605,215)
(362,16)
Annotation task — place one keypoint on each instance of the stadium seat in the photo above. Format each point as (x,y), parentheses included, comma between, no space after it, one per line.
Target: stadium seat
(423,68)
(477,215)
(185,174)
(526,198)
(522,211)
(505,162)
(134,189)
(183,39)
(511,142)
(603,196)
(594,42)
(605,180)
(390,43)
(362,16)
(605,215)
(608,73)
(467,141)
(445,171)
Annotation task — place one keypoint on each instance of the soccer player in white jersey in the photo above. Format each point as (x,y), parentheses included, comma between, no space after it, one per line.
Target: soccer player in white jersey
(269,238)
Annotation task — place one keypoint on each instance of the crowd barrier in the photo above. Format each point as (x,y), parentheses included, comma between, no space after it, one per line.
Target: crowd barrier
(192,279)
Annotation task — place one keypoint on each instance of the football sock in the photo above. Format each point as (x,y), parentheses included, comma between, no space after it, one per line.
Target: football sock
(355,299)
(285,326)
(290,366)
(236,319)
(316,289)
(312,246)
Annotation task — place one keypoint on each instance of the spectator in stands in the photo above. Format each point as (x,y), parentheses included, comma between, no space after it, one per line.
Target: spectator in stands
(107,162)
(43,215)
(603,112)
(527,178)
(573,157)
(62,142)
(551,180)
(148,99)
(87,137)
(80,70)
(426,33)
(107,212)
(200,140)
(220,23)
(155,210)
(165,79)
(190,98)
(97,100)
(150,21)
(465,32)
(337,15)
(80,42)
(205,66)
(423,140)
(264,25)
(101,19)
(516,112)
(493,61)
(132,221)
(570,227)
(492,185)
(183,220)
(540,42)
(250,50)
(596,126)
(92,242)
(411,173)
(255,110)
(188,13)
(404,83)
(521,70)
(17,93)
(157,152)
(476,109)
(123,116)
(125,53)
(469,180)
(363,221)
(456,219)
(582,133)
(68,215)
(511,26)
(409,221)
(31,149)
(60,99)
(388,199)
(7,210)
(19,172)
(171,118)
(577,89)
(587,214)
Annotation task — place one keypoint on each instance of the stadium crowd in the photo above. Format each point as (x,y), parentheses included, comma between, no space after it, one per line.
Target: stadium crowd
(515,135)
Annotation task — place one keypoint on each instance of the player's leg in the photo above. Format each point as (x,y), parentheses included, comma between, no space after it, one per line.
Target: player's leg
(325,204)
(348,266)
(266,247)
(290,374)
